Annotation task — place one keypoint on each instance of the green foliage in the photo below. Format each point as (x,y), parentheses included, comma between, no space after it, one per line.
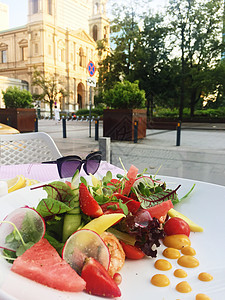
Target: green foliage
(125,95)
(196,29)
(152,53)
(211,113)
(97,111)
(200,113)
(14,97)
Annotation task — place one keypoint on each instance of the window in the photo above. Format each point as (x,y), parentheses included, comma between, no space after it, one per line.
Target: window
(61,55)
(49,3)
(95,32)
(35,48)
(34,4)
(81,57)
(61,50)
(4,56)
(24,53)
(96,8)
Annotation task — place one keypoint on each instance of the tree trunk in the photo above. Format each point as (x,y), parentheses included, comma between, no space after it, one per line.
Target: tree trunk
(192,105)
(51,110)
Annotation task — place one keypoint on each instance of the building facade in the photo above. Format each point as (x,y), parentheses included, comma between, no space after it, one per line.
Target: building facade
(58,40)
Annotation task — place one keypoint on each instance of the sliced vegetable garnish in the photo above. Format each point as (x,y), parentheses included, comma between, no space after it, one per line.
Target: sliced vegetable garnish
(103,222)
(20,230)
(82,244)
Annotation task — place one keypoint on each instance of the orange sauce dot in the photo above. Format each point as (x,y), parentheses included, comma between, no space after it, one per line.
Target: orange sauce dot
(183,287)
(171,253)
(177,241)
(202,297)
(163,265)
(180,273)
(205,276)
(160,280)
(188,261)
(188,250)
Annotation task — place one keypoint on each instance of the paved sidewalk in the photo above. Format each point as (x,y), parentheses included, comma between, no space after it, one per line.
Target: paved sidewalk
(200,156)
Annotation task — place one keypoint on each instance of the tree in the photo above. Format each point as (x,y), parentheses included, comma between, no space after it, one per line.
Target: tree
(118,63)
(197,32)
(14,97)
(125,95)
(150,55)
(51,88)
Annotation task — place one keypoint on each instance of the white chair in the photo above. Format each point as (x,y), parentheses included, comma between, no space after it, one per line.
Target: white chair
(25,148)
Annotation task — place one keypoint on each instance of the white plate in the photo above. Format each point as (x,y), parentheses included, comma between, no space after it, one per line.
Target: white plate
(205,206)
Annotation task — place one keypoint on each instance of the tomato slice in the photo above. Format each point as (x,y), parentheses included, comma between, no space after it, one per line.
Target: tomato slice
(132,252)
(132,204)
(160,210)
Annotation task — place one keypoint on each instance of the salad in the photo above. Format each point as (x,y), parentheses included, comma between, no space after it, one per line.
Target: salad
(90,226)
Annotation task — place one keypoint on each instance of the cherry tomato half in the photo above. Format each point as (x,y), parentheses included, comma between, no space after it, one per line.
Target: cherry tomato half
(176,226)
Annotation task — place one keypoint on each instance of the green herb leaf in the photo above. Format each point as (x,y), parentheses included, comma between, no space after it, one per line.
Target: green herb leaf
(49,207)
(188,193)
(83,180)
(124,207)
(107,178)
(159,197)
(60,191)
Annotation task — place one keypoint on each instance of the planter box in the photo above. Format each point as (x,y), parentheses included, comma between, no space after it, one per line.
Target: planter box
(23,119)
(162,124)
(118,124)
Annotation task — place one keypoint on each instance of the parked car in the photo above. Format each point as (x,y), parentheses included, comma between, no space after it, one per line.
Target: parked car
(5,129)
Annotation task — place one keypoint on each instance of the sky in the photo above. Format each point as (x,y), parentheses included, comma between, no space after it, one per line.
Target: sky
(18,10)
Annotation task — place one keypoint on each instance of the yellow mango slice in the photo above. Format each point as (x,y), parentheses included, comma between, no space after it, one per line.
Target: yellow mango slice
(193,226)
(100,224)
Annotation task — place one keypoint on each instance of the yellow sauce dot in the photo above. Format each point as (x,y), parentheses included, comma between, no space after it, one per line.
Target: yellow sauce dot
(160,280)
(188,251)
(205,276)
(163,265)
(180,273)
(171,253)
(202,297)
(177,241)
(183,287)
(188,261)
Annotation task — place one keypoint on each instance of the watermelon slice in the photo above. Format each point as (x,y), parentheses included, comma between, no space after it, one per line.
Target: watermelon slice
(131,175)
(43,264)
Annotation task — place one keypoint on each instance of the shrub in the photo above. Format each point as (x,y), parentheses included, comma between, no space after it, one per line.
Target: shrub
(125,95)
(201,113)
(97,111)
(14,97)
